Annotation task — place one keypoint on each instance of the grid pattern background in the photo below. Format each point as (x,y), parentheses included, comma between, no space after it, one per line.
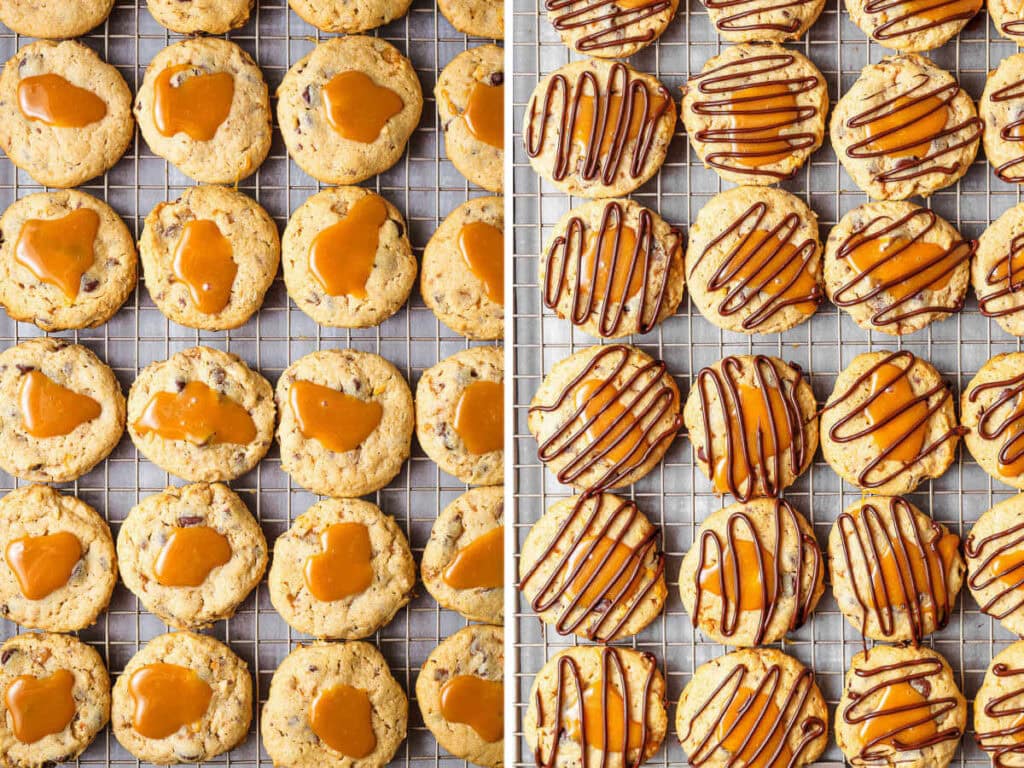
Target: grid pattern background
(677,495)
(425,188)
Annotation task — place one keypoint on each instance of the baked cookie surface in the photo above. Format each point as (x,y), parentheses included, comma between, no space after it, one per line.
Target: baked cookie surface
(748,21)
(1000,109)
(991,410)
(995,271)
(994,551)
(349,17)
(995,704)
(214,17)
(912,26)
(54,18)
(610,31)
(477,18)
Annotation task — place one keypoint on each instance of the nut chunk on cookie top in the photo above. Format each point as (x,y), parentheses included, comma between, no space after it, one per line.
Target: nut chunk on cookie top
(995,563)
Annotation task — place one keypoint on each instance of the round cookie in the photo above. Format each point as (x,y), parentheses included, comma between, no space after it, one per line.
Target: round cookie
(214,17)
(753,574)
(463,678)
(226,139)
(610,30)
(912,27)
(54,18)
(204,665)
(1000,255)
(232,264)
(347,17)
(747,21)
(613,268)
(191,554)
(347,258)
(756,112)
(895,571)
(753,260)
(462,279)
(460,415)
(992,412)
(753,423)
(371,84)
(995,550)
(202,414)
(65,114)
(470,102)
(76,699)
(41,284)
(347,395)
(899,401)
(563,143)
(61,410)
(1008,19)
(896,267)
(307,694)
(463,559)
(888,133)
(57,561)
(996,706)
(476,18)
(900,707)
(605,416)
(1000,109)
(597,602)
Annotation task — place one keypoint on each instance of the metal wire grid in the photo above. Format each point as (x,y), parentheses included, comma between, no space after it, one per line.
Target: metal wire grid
(425,188)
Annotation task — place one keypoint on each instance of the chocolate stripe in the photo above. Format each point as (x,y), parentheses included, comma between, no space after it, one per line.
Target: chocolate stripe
(614,27)
(1001,542)
(737,22)
(1002,743)
(1012,285)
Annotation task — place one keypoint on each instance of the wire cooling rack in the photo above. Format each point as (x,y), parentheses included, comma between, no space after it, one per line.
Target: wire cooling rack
(425,188)
(676,495)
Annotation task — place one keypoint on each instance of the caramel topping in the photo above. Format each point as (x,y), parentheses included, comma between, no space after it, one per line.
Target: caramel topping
(199,414)
(899,420)
(40,706)
(612,118)
(341,257)
(764,263)
(605,721)
(480,564)
(165,698)
(342,718)
(59,251)
(198,105)
(485,114)
(619,23)
(482,246)
(203,260)
(749,730)
(753,120)
(358,108)
(52,100)
(1008,567)
(475,702)
(738,576)
(616,277)
(339,422)
(611,426)
(763,427)
(908,128)
(903,718)
(602,568)
(919,266)
(50,410)
(190,554)
(345,567)
(479,417)
(43,564)
(906,17)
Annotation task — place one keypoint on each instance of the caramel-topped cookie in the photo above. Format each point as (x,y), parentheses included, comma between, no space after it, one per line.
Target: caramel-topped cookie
(997,707)
(746,21)
(610,30)
(1000,107)
(997,270)
(992,411)
(912,26)
(995,563)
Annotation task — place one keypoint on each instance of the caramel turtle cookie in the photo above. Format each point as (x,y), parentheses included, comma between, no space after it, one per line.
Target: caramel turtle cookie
(345,422)
(889,423)
(334,704)
(463,275)
(747,21)
(202,414)
(348,17)
(997,704)
(214,17)
(183,698)
(756,112)
(65,114)
(204,107)
(61,410)
(191,554)
(995,552)
(620,587)
(460,415)
(476,18)
(992,412)
(1000,108)
(915,26)
(753,260)
(996,270)
(905,128)
(347,258)
(56,699)
(896,267)
(67,260)
(54,18)
(463,561)
(607,159)
(610,30)
(348,107)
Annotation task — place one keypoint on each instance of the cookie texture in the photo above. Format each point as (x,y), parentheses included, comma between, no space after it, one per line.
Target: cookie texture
(54,18)
(994,552)
(910,27)
(990,411)
(995,704)
(476,18)
(347,17)
(749,21)
(610,31)
(214,17)
(995,270)
(1000,110)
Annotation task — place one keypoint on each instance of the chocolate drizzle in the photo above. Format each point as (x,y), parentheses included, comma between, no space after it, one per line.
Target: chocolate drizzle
(958,11)
(737,21)
(1012,285)
(1004,542)
(995,741)
(1012,131)
(1011,427)
(614,23)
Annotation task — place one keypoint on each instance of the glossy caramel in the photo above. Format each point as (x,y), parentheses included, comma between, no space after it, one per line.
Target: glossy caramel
(895,402)
(342,718)
(757,116)
(897,706)
(197,106)
(482,247)
(762,254)
(759,426)
(345,567)
(43,564)
(603,713)
(358,108)
(341,256)
(612,264)
(479,417)
(602,410)
(190,554)
(909,271)
(52,100)
(485,114)
(907,126)
(40,706)
(59,251)
(339,422)
(480,564)
(166,698)
(197,414)
(475,702)
(599,560)
(747,592)
(51,410)
(204,262)
(747,729)
(584,125)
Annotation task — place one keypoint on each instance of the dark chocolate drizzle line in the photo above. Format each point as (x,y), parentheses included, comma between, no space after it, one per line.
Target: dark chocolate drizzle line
(993,741)
(1009,171)
(1012,426)
(614,26)
(1012,285)
(885,30)
(1013,27)
(1000,542)
(737,22)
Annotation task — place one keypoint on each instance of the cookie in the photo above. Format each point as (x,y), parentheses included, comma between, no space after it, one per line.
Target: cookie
(191,554)
(204,107)
(747,21)
(998,262)
(202,414)
(61,410)
(604,417)
(995,550)
(464,560)
(54,18)
(213,18)
(67,260)
(613,268)
(334,704)
(56,699)
(593,566)
(461,694)
(889,423)
(610,30)
(58,568)
(183,698)
(343,570)
(1000,109)
(209,257)
(347,258)
(343,16)
(896,267)
(753,423)
(348,107)
(346,421)
(912,27)
(895,571)
(476,18)
(607,159)
(624,694)
(992,412)
(756,112)
(900,707)
(753,574)
(996,705)
(753,260)
(65,114)
(463,275)
(905,128)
